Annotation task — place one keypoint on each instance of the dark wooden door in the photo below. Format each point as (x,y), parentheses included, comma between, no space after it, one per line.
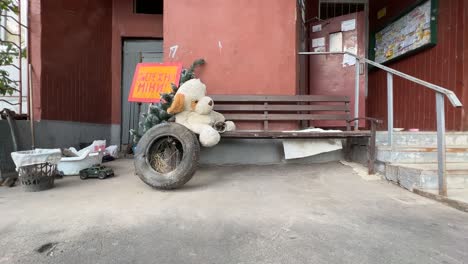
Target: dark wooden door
(335,74)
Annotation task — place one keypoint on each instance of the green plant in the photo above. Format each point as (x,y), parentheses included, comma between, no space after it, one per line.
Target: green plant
(157,113)
(8,50)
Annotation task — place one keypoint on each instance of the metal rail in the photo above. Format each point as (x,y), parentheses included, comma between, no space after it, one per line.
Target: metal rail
(441,93)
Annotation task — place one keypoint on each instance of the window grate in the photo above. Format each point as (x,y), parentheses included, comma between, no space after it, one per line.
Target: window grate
(331,10)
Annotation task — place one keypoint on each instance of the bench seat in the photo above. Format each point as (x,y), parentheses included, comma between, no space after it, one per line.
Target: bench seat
(294,134)
(304,109)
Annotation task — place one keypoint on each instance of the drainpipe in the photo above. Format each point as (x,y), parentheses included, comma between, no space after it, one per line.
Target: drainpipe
(11,123)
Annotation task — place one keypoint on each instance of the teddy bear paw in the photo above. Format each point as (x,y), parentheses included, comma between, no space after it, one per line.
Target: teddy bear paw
(230,126)
(209,137)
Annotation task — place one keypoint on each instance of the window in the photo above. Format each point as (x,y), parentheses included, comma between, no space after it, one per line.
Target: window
(154,7)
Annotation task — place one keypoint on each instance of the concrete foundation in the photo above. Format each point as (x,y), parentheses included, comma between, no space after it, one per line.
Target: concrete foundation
(58,134)
(399,154)
(411,161)
(424,176)
(422,139)
(257,152)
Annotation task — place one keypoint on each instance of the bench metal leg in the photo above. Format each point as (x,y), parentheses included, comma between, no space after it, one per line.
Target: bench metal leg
(371,149)
(348,149)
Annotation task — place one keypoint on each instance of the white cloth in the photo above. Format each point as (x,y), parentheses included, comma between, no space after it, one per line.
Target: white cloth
(113,151)
(301,148)
(37,156)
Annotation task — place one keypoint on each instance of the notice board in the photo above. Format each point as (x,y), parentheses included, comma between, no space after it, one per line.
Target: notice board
(153,79)
(413,30)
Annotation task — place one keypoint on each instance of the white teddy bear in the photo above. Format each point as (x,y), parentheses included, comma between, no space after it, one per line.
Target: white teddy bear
(194,110)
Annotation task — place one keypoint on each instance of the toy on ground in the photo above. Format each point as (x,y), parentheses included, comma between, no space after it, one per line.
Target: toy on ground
(194,110)
(85,158)
(100,172)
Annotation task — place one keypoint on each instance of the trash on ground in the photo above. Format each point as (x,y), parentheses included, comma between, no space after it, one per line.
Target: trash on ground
(112,151)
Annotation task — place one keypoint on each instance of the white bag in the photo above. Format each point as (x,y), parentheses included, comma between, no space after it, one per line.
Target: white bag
(37,156)
(97,146)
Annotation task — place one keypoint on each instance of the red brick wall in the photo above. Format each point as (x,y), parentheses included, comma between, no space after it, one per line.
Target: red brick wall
(72,68)
(78,44)
(250,46)
(76,49)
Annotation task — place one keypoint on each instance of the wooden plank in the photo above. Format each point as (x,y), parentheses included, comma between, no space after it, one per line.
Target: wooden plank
(301,135)
(237,107)
(283,117)
(279,98)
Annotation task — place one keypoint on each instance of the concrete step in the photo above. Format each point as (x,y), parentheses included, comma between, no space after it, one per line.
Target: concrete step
(424,176)
(427,139)
(420,154)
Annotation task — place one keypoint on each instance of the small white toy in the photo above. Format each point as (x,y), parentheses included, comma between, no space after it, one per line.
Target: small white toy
(194,110)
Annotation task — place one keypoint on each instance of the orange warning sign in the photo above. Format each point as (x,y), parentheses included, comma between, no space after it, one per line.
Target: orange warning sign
(153,79)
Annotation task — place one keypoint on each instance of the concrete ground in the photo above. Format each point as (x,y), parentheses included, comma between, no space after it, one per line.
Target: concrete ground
(246,214)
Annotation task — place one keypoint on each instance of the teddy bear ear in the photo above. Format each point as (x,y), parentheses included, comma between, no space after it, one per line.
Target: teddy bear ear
(177,105)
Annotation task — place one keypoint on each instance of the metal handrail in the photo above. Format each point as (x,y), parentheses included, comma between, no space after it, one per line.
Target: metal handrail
(441,92)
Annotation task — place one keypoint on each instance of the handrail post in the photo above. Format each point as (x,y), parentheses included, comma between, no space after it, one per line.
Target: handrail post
(390,107)
(356,94)
(441,153)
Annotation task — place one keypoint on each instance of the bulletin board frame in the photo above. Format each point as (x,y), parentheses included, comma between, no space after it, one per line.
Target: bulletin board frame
(433,28)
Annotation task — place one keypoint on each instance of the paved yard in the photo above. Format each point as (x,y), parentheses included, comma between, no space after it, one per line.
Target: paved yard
(272,214)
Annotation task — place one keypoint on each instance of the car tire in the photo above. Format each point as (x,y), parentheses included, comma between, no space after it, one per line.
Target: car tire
(83,175)
(184,169)
(102,175)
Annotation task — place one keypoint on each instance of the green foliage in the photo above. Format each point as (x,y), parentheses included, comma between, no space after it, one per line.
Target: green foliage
(9,5)
(8,51)
(157,113)
(188,74)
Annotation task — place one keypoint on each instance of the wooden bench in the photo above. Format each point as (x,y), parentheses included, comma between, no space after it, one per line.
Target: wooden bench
(300,108)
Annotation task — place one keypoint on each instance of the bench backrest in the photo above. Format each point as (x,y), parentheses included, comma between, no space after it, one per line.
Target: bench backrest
(283,108)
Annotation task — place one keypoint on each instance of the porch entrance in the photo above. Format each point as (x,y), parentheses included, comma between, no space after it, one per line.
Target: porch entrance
(342,27)
(134,52)
(336,74)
